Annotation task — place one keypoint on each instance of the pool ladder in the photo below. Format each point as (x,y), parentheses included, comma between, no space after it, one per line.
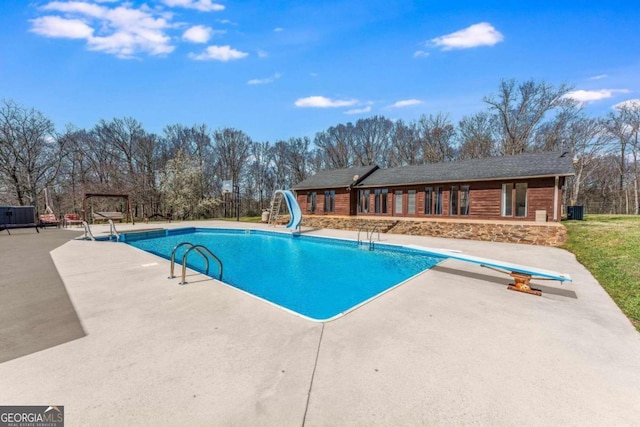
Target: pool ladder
(112,231)
(370,233)
(203,251)
(87,231)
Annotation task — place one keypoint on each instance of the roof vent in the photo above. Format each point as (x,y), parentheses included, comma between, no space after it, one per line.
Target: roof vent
(355,178)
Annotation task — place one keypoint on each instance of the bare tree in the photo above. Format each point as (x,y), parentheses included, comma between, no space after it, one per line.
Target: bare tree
(30,152)
(372,141)
(260,172)
(622,134)
(476,135)
(624,126)
(280,165)
(297,157)
(586,139)
(337,146)
(437,136)
(232,148)
(554,134)
(406,148)
(521,109)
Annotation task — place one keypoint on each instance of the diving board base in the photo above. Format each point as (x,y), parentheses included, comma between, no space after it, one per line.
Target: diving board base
(522,284)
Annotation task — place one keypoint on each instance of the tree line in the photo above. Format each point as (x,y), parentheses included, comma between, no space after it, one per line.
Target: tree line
(181,171)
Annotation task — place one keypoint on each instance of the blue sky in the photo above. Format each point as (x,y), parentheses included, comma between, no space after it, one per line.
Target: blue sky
(279,69)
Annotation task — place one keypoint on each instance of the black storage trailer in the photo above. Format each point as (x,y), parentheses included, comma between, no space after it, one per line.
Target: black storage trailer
(17,217)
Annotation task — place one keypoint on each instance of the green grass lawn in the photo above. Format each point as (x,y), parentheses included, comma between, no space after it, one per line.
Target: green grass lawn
(609,247)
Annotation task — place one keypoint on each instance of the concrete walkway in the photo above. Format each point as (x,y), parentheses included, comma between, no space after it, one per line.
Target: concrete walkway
(450,347)
(35,310)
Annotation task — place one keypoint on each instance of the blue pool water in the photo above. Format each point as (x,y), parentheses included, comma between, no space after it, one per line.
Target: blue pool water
(316,277)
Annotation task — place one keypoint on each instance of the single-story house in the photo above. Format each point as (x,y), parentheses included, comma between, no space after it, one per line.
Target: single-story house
(495,188)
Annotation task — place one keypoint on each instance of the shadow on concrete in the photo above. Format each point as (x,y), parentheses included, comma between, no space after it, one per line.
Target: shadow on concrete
(506,281)
(35,310)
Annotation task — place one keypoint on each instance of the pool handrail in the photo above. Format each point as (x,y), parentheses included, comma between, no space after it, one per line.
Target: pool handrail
(87,231)
(112,230)
(173,258)
(198,249)
(370,232)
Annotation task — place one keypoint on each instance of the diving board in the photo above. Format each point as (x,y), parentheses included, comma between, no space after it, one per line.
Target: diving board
(521,274)
(294,209)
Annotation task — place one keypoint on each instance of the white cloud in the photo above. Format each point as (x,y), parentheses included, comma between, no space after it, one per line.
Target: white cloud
(629,103)
(278,30)
(267,80)
(420,54)
(121,30)
(262,53)
(587,96)
(405,103)
(482,34)
(201,5)
(323,102)
(359,110)
(78,7)
(219,53)
(197,34)
(55,26)
(599,77)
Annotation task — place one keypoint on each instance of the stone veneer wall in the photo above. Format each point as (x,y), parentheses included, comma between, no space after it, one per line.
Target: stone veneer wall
(532,234)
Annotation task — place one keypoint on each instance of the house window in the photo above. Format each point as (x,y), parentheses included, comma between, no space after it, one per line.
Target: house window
(437,202)
(329,201)
(311,202)
(521,199)
(428,200)
(363,201)
(453,201)
(381,200)
(514,202)
(459,200)
(464,199)
(411,202)
(398,202)
(507,199)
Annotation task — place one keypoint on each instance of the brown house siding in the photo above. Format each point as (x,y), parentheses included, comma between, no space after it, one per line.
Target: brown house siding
(342,202)
(485,200)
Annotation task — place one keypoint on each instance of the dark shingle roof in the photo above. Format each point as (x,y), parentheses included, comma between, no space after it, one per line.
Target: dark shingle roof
(491,168)
(335,178)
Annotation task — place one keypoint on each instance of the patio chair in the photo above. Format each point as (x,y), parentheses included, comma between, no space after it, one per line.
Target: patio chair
(48,219)
(71,219)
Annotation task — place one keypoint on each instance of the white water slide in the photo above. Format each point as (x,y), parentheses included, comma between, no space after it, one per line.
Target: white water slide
(294,209)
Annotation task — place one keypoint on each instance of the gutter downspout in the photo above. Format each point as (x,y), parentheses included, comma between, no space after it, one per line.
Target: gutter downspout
(555,200)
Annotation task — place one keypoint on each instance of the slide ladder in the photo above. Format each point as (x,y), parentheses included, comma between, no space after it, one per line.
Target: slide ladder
(274,210)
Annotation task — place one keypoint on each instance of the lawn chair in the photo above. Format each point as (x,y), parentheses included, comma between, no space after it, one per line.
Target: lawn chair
(71,219)
(48,219)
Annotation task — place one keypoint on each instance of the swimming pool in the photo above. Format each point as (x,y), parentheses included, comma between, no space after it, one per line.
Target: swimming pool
(319,278)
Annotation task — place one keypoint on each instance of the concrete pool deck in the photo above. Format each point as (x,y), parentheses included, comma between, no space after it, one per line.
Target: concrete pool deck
(452,346)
